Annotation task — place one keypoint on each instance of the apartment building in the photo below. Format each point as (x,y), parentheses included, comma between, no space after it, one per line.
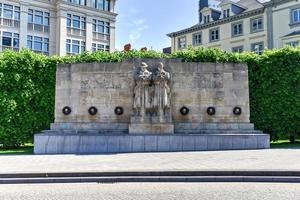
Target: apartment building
(58,27)
(242,25)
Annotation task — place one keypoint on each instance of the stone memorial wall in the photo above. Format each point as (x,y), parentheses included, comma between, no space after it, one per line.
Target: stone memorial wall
(195,86)
(150,105)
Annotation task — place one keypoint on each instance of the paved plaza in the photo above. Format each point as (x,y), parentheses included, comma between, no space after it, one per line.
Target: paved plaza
(152,191)
(273,159)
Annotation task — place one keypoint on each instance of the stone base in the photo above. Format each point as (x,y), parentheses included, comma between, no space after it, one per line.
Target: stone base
(57,143)
(151,129)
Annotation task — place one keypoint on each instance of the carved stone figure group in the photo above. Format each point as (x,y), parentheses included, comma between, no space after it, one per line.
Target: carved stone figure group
(152,92)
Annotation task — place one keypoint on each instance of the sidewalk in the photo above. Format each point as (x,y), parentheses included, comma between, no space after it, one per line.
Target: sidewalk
(255,160)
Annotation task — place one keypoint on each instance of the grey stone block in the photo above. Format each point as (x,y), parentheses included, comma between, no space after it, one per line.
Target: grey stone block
(101,144)
(263,141)
(71,144)
(200,143)
(150,143)
(227,142)
(113,144)
(176,143)
(251,142)
(87,144)
(138,143)
(163,143)
(188,143)
(239,142)
(213,142)
(55,144)
(41,143)
(125,144)
(246,126)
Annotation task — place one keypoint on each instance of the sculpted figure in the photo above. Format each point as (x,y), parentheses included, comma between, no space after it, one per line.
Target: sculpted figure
(142,99)
(161,99)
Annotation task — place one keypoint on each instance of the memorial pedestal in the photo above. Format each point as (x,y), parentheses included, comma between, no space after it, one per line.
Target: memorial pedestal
(151,129)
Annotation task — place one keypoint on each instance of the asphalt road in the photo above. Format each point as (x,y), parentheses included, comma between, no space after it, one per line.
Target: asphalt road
(152,191)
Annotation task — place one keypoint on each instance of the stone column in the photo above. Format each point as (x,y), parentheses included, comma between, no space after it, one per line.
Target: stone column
(112,5)
(89,33)
(61,32)
(23,25)
(89,3)
(52,34)
(112,39)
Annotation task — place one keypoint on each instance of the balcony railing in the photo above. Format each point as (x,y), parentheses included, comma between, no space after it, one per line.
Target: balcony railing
(38,28)
(41,52)
(100,36)
(9,22)
(3,48)
(76,32)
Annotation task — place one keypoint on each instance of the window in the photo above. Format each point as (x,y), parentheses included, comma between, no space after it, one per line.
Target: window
(74,21)
(239,49)
(7,39)
(293,44)
(207,19)
(38,17)
(29,42)
(101,4)
(237,29)
(75,46)
(101,26)
(257,48)
(296,16)
(10,40)
(226,13)
(10,12)
(257,24)
(38,44)
(100,47)
(182,42)
(197,39)
(214,35)
(79,2)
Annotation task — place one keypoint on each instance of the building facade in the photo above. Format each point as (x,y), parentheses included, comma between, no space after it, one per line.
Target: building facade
(242,25)
(57,27)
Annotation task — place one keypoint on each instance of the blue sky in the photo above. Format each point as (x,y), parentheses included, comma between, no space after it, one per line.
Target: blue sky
(145,23)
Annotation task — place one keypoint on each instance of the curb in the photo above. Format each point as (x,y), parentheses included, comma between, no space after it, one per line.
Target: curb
(153,176)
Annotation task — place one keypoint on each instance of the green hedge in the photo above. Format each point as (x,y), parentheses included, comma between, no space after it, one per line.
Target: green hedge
(27,86)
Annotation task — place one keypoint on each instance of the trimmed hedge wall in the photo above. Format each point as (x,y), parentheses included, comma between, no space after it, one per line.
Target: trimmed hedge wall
(27,87)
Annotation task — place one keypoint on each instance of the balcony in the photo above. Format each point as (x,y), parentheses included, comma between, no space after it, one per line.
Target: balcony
(38,28)
(76,32)
(101,36)
(9,22)
(3,48)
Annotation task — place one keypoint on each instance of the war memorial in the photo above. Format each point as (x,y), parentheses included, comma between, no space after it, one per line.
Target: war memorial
(150,105)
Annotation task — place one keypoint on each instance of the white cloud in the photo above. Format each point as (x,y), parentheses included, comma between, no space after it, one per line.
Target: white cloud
(138,26)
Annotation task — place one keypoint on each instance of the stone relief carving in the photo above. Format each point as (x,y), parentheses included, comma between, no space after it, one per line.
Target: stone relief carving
(152,94)
(161,98)
(142,100)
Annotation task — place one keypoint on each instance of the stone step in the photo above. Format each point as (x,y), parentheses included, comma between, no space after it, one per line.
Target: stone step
(85,132)
(58,143)
(214,126)
(192,131)
(143,179)
(88,126)
(221,131)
